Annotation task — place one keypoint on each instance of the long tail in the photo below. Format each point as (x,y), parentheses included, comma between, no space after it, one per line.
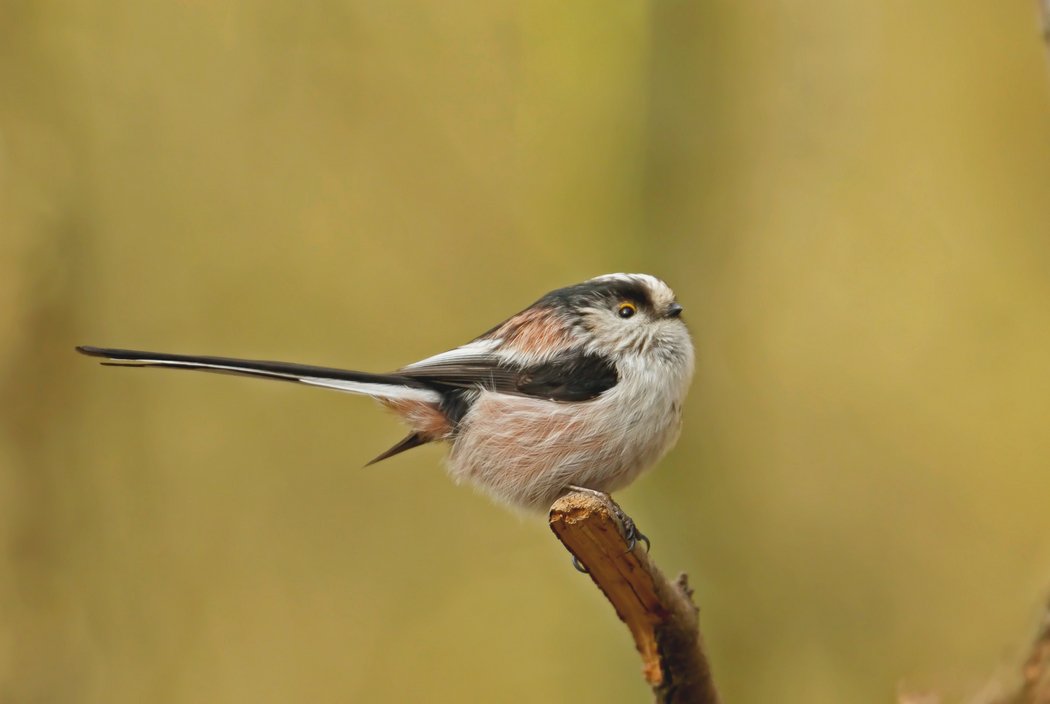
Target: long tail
(384,386)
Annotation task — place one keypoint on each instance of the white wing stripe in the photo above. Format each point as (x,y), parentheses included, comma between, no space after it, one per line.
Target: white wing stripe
(393,392)
(479,348)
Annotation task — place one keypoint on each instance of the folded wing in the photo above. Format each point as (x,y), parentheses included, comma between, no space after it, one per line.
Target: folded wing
(572,375)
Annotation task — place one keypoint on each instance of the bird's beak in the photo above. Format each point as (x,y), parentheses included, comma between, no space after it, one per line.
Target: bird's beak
(674,310)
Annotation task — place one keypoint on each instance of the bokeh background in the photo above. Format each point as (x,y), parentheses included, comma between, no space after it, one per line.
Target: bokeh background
(851,199)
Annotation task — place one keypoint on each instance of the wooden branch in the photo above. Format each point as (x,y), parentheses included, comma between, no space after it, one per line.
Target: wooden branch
(1044,7)
(1035,672)
(1034,685)
(659,613)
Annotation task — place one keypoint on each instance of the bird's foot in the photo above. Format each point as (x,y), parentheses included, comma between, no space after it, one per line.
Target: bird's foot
(631,534)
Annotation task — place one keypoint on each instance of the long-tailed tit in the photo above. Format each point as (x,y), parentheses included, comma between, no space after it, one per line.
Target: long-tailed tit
(584,388)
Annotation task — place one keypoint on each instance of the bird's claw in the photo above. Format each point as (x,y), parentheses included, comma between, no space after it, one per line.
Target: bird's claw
(631,534)
(634,536)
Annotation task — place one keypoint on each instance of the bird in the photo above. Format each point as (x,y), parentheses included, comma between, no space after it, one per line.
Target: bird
(583,389)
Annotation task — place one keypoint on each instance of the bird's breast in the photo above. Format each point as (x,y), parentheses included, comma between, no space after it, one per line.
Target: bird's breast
(525,450)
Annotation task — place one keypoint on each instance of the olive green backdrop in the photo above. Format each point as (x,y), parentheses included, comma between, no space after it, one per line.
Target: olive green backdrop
(851,199)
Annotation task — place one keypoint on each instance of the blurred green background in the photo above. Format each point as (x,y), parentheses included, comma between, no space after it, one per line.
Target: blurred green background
(851,199)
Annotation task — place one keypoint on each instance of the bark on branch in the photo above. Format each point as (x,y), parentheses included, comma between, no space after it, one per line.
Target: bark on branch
(1032,687)
(1044,7)
(1035,672)
(659,613)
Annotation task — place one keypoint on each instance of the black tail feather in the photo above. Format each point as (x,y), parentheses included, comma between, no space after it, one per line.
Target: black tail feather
(248,367)
(413,440)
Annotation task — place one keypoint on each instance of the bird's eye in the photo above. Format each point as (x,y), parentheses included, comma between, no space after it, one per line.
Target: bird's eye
(626,310)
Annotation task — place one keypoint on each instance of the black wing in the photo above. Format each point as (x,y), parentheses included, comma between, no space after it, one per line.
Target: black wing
(570,376)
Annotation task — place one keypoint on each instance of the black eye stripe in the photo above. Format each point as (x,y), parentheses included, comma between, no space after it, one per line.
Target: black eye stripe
(600,293)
